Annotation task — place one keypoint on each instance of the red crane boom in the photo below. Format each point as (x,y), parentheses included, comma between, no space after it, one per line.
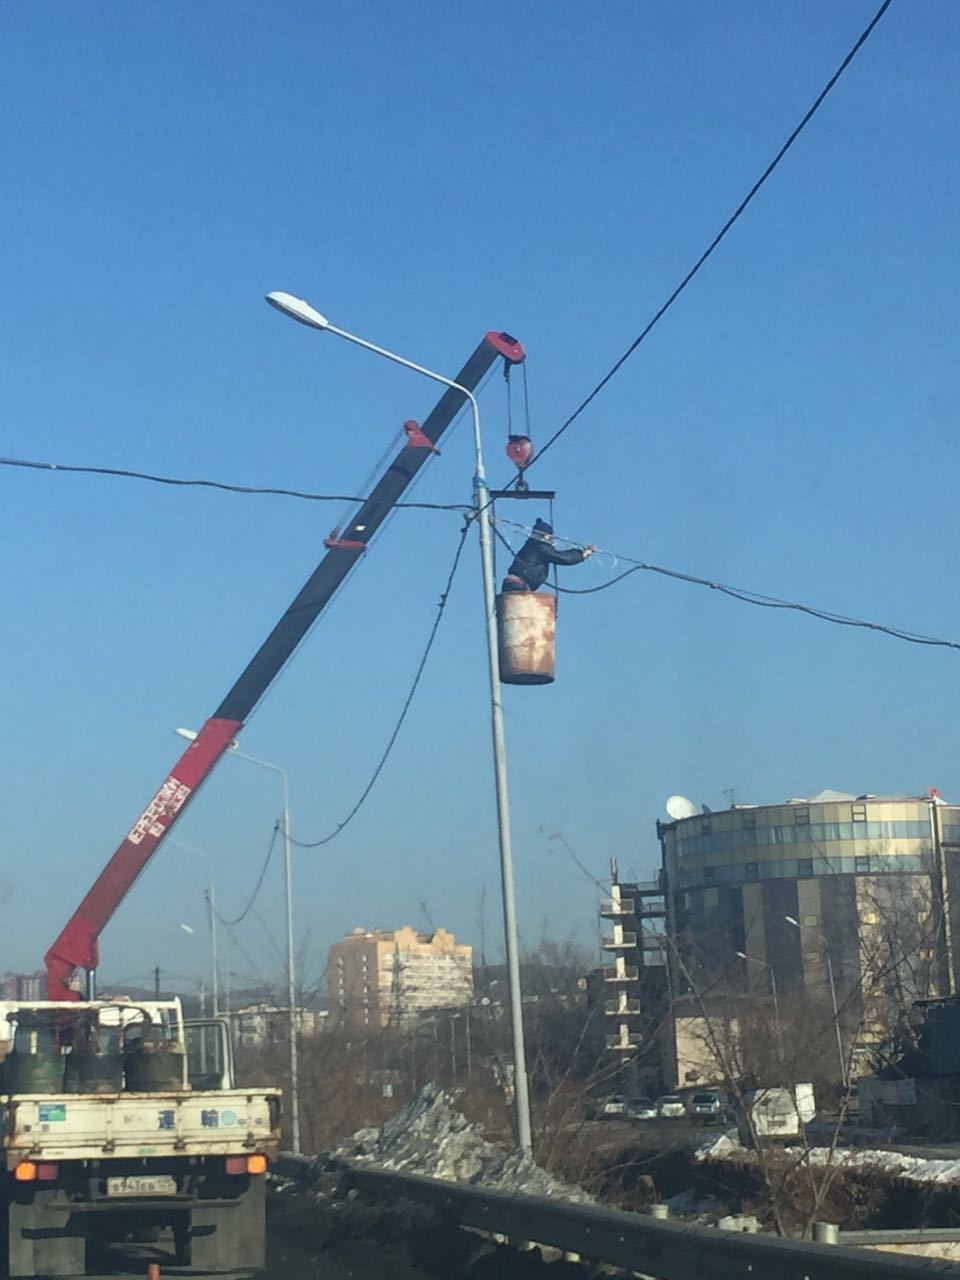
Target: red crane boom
(77,946)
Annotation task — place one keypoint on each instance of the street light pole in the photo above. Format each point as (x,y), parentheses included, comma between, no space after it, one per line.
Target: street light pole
(833,998)
(209,895)
(742,955)
(212,915)
(301,311)
(291,972)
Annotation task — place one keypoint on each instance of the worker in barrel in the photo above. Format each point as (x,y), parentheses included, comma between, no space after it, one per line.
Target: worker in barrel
(531,564)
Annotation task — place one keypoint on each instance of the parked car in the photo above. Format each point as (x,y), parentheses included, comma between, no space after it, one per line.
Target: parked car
(641,1109)
(707,1106)
(670,1107)
(613,1107)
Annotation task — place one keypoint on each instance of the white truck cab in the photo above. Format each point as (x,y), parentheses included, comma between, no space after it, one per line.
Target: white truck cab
(119,1120)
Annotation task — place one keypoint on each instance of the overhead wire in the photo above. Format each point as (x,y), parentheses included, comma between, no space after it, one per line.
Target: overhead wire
(721,234)
(180,482)
(385,755)
(256,975)
(229,924)
(743,594)
(124,473)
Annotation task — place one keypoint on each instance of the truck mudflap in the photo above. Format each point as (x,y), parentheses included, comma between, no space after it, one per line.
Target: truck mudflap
(51,1232)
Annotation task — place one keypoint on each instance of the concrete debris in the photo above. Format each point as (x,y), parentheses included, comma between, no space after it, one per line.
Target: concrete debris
(695,1207)
(723,1147)
(431,1137)
(742,1222)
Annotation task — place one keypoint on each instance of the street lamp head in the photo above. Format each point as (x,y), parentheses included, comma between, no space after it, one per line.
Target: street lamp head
(741,955)
(191,735)
(298,310)
(790,920)
(187,929)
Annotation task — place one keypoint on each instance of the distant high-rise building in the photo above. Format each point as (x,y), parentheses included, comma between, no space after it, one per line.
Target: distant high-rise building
(380,977)
(24,986)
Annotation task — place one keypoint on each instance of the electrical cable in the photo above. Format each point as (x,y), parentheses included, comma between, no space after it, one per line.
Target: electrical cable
(315,844)
(727,226)
(304,495)
(743,594)
(177,481)
(257,887)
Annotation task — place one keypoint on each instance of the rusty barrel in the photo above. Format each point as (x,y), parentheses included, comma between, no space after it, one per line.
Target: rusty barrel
(527,629)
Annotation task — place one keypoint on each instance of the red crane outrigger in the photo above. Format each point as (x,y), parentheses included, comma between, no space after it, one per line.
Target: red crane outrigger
(77,946)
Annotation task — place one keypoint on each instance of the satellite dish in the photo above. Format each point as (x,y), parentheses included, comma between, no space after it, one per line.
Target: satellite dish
(681,807)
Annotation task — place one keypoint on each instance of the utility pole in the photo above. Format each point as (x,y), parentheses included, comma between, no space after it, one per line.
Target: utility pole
(212,921)
(156,983)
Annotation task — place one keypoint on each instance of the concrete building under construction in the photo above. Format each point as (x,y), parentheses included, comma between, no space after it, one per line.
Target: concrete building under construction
(378,978)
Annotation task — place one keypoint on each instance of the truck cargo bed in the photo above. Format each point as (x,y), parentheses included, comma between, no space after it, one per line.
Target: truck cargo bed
(93,1126)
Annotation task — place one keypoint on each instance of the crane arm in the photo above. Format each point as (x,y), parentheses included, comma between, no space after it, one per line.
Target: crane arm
(77,945)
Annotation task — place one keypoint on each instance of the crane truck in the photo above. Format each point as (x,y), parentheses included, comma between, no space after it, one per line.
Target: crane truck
(123,1134)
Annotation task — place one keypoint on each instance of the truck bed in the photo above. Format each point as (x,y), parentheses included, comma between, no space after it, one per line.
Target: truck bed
(72,1126)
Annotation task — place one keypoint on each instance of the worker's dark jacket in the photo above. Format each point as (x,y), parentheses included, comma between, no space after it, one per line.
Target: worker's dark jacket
(533,560)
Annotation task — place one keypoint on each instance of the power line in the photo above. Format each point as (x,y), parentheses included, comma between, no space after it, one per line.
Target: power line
(180,482)
(743,594)
(727,226)
(123,473)
(257,887)
(315,844)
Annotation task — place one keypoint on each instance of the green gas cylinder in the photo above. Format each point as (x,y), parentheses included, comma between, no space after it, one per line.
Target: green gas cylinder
(33,1073)
(153,1066)
(91,1072)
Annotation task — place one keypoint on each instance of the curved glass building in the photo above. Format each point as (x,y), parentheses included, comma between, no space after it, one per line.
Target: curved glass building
(762,895)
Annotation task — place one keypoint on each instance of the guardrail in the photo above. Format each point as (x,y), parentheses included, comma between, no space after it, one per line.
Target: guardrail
(635,1241)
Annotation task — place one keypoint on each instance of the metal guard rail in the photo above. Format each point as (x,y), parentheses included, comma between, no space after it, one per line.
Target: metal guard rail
(633,1241)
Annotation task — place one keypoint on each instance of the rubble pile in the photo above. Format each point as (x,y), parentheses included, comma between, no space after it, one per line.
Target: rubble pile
(723,1147)
(431,1137)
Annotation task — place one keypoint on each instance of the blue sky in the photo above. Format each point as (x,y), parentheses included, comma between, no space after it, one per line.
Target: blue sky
(423,175)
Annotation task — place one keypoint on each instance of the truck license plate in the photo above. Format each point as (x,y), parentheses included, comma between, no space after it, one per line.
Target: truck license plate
(158,1185)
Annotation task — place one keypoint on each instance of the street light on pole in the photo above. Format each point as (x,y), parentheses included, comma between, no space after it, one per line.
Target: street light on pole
(211,902)
(301,311)
(742,955)
(190,734)
(833,997)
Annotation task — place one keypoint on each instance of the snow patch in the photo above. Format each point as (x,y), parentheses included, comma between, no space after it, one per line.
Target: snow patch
(891,1164)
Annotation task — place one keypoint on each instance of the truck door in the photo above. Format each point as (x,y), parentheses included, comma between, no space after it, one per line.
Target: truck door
(209,1053)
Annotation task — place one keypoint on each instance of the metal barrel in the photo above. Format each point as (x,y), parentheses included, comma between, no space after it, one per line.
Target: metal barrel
(527,631)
